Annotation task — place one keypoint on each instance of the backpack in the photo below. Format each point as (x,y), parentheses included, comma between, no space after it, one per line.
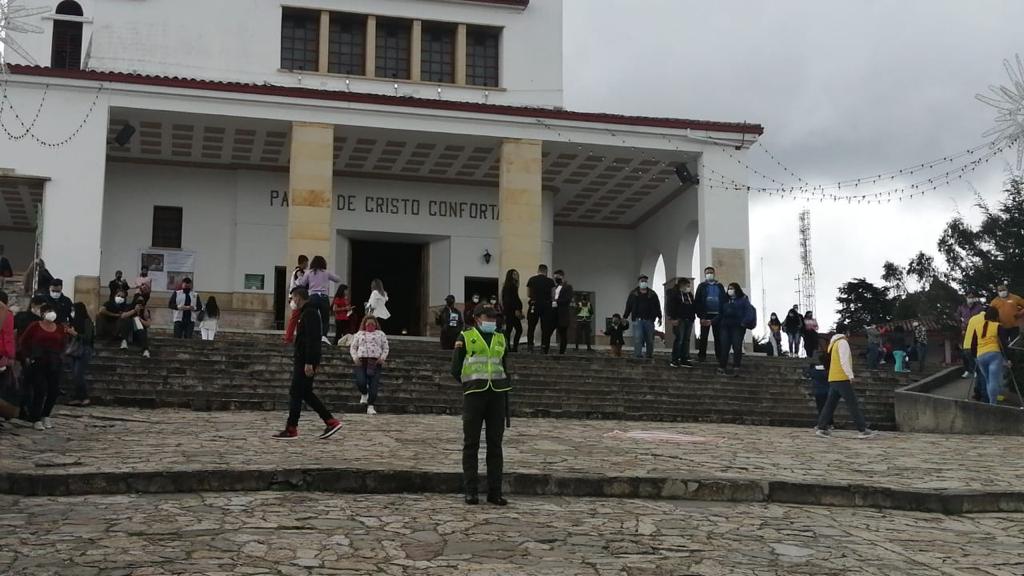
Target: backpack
(750,318)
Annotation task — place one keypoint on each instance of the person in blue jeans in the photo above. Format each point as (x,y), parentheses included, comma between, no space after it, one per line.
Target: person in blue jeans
(983,338)
(736,316)
(707,304)
(679,309)
(644,307)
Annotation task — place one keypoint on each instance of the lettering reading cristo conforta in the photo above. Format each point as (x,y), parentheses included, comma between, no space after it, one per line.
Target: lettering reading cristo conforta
(393,206)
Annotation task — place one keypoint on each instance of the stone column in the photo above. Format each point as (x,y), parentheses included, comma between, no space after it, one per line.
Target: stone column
(310,189)
(521,209)
(87,291)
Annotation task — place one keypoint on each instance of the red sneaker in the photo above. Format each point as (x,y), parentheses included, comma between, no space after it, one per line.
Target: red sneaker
(289,433)
(333,425)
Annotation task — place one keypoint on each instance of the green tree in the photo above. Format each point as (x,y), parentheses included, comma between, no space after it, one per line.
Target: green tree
(895,279)
(922,269)
(981,257)
(862,303)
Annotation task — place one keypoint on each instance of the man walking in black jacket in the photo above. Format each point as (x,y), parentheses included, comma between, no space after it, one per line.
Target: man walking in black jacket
(644,308)
(306,361)
(541,290)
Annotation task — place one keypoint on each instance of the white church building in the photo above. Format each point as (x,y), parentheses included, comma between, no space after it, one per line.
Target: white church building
(424,142)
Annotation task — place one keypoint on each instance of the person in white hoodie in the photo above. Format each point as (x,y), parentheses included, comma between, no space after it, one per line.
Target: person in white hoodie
(840,385)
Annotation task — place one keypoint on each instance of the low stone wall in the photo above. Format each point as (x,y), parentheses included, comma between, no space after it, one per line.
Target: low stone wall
(917,410)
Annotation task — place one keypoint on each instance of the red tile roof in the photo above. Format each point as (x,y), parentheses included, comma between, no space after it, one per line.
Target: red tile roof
(385,100)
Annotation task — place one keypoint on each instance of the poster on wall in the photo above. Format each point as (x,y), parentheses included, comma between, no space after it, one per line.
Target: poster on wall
(168,267)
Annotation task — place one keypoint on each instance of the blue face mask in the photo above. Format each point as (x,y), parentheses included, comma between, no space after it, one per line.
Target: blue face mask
(488,327)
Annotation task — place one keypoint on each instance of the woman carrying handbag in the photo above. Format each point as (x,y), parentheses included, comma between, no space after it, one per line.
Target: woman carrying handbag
(81,351)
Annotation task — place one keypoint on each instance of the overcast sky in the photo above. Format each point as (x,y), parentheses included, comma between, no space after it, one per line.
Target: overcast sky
(844,89)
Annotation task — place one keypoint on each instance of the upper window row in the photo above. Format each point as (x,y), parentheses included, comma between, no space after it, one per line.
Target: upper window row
(348,49)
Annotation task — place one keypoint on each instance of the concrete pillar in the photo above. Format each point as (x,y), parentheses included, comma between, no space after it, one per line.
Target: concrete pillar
(371,46)
(324,45)
(724,220)
(87,291)
(521,209)
(416,49)
(460,54)
(310,189)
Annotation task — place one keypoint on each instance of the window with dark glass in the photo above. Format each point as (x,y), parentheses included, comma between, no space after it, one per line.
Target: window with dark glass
(300,40)
(347,45)
(482,56)
(393,48)
(167,227)
(437,53)
(66,43)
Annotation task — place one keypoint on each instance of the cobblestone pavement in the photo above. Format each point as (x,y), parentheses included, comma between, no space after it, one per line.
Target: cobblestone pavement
(298,534)
(110,439)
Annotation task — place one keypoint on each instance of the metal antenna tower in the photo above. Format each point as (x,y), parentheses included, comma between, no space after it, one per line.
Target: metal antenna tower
(807,295)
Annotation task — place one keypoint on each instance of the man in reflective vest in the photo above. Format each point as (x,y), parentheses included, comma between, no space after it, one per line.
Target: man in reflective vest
(479,364)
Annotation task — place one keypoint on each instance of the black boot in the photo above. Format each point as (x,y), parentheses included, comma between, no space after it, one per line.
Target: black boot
(472,499)
(496,500)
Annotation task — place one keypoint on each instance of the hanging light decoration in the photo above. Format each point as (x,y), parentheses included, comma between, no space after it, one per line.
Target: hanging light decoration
(1008,100)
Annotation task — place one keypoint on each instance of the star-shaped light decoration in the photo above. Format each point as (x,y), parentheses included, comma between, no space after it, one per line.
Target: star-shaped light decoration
(1008,100)
(13,20)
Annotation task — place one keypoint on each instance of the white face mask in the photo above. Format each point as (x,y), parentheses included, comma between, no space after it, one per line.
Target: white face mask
(54,295)
(50,317)
(118,300)
(293,305)
(709,277)
(1003,293)
(731,292)
(475,299)
(643,285)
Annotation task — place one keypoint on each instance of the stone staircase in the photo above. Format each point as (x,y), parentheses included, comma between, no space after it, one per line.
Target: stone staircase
(251,372)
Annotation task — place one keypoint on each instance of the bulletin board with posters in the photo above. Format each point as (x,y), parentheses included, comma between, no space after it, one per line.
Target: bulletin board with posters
(168,267)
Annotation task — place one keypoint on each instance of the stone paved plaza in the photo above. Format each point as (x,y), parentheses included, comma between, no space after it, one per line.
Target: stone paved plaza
(297,534)
(110,439)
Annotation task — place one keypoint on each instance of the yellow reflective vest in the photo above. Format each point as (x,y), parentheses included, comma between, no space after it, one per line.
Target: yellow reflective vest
(482,369)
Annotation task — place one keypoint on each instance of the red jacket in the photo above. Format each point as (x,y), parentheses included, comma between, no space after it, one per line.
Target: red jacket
(7,337)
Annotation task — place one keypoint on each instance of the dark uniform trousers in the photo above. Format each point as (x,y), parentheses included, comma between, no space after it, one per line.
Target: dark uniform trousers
(480,408)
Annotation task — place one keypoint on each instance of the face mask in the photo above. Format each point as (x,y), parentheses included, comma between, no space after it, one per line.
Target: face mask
(370,328)
(488,327)
(293,305)
(731,292)
(643,285)
(687,290)
(72,314)
(144,274)
(709,277)
(50,316)
(54,295)
(449,302)
(558,279)
(476,299)
(118,300)
(1003,293)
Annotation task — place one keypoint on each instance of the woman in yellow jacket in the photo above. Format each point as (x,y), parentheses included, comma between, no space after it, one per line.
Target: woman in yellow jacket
(983,338)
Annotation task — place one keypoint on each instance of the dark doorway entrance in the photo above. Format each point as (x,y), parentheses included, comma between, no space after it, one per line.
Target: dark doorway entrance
(400,267)
(280,296)
(485,287)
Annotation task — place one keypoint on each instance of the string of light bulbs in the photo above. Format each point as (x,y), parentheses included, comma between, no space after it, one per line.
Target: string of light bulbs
(834,192)
(27,128)
(909,191)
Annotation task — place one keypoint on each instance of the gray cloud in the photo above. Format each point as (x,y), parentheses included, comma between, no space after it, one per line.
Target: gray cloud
(844,89)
